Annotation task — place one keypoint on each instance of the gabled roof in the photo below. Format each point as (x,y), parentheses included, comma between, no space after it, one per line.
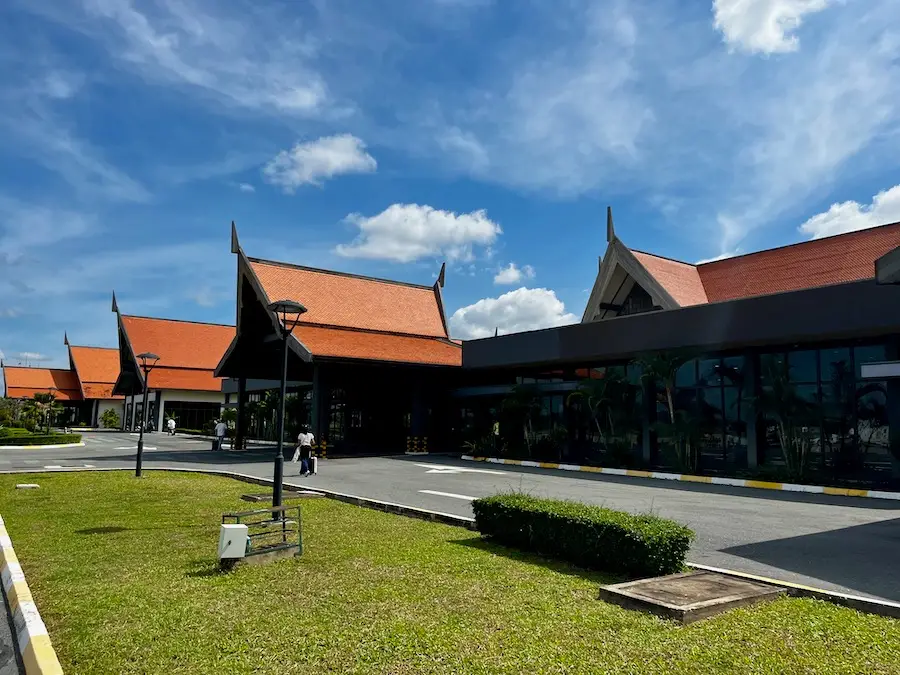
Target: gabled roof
(97,369)
(351,301)
(188,351)
(346,343)
(839,259)
(680,279)
(21,382)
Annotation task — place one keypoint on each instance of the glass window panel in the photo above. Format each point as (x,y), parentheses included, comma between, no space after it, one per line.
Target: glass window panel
(868,354)
(710,372)
(633,373)
(835,366)
(872,427)
(803,365)
(734,409)
(709,408)
(687,374)
(769,363)
(733,370)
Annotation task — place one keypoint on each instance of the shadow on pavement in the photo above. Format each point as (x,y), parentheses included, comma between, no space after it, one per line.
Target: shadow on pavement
(701,488)
(862,557)
(179,457)
(557,566)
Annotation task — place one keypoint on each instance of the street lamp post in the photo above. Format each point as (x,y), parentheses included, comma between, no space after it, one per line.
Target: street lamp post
(146,367)
(282,309)
(52,395)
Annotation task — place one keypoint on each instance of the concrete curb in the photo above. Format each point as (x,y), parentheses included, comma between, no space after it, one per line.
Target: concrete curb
(859,603)
(42,447)
(35,648)
(712,480)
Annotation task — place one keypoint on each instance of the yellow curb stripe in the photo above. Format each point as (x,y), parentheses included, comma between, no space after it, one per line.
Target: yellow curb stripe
(696,479)
(35,648)
(763,485)
(715,480)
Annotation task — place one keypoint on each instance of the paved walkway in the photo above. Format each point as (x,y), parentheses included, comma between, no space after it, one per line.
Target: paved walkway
(837,543)
(9,661)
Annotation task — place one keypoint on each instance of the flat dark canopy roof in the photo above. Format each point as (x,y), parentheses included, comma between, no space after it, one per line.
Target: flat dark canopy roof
(854,310)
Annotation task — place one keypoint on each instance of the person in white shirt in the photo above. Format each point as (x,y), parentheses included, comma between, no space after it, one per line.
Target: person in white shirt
(170,424)
(221,430)
(305,442)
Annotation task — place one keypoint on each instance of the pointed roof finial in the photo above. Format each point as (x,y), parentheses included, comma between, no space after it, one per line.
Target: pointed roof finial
(442,274)
(496,331)
(66,338)
(235,244)
(610,230)
(115,305)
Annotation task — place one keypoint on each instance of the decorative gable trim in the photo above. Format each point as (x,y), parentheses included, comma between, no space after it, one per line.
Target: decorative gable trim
(617,255)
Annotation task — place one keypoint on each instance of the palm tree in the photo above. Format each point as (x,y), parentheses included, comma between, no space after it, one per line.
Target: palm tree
(663,367)
(792,414)
(607,399)
(43,407)
(522,404)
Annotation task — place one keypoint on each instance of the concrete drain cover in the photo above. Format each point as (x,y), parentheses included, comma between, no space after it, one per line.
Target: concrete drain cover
(690,596)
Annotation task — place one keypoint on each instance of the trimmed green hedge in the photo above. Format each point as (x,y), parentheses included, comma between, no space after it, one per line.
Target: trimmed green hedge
(588,536)
(40,439)
(13,431)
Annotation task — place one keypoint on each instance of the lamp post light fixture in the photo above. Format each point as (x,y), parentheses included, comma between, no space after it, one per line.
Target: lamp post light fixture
(148,362)
(283,309)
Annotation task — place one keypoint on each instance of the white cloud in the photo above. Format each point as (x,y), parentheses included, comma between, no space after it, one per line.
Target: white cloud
(9,313)
(511,274)
(242,58)
(246,187)
(519,310)
(764,26)
(311,162)
(721,256)
(407,232)
(850,216)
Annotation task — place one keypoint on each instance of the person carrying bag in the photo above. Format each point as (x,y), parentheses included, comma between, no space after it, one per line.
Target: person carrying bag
(305,442)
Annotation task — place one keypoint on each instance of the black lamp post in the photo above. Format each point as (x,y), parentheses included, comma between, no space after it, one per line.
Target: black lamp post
(51,391)
(283,308)
(146,366)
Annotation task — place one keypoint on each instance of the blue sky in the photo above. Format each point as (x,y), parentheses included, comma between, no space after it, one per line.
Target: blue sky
(383,138)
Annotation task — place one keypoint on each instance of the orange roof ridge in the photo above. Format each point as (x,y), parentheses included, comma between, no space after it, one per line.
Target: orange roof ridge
(112,349)
(376,331)
(321,270)
(49,370)
(806,242)
(157,318)
(663,257)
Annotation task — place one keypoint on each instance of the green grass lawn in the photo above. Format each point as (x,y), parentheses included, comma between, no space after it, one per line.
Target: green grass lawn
(124,574)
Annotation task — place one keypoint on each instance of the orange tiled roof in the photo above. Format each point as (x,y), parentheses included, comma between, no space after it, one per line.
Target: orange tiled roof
(185,379)
(179,344)
(97,369)
(681,280)
(26,382)
(821,262)
(373,346)
(188,352)
(348,301)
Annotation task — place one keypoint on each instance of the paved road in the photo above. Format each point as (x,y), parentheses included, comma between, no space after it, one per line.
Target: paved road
(839,543)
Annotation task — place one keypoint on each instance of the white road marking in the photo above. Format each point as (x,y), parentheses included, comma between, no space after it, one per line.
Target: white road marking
(134,447)
(75,466)
(448,494)
(53,466)
(443,468)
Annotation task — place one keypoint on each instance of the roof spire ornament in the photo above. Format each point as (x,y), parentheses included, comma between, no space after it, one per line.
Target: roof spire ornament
(610,230)
(235,244)
(115,305)
(441,274)
(496,331)
(66,338)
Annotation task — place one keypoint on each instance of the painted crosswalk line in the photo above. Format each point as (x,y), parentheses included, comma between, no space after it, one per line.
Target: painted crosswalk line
(452,495)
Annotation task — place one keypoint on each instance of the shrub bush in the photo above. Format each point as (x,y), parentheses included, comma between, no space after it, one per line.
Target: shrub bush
(13,431)
(40,439)
(589,536)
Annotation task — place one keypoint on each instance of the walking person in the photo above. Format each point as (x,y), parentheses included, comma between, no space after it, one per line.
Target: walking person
(305,442)
(170,425)
(221,430)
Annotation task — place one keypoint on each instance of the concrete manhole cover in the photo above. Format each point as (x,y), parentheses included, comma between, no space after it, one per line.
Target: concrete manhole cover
(690,596)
